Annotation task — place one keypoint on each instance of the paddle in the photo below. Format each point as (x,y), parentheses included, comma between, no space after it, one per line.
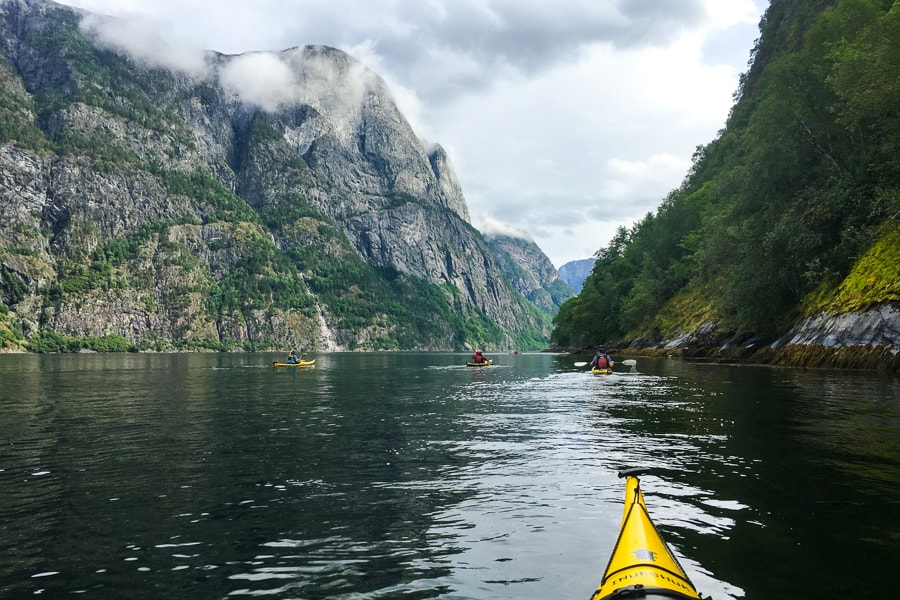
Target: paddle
(628,363)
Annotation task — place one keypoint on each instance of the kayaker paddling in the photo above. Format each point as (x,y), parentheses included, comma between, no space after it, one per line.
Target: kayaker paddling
(479,357)
(479,360)
(601,360)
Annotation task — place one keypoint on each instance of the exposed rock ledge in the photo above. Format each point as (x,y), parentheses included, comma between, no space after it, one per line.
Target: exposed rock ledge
(874,327)
(867,339)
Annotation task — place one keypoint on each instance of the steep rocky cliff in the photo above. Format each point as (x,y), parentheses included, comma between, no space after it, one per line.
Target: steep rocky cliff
(254,201)
(529,270)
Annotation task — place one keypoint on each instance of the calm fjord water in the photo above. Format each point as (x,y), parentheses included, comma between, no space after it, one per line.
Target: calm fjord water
(397,475)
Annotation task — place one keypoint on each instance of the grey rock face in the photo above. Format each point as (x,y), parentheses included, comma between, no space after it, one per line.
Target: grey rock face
(873,327)
(530,271)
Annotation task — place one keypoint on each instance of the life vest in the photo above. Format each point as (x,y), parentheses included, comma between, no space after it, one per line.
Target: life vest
(602,362)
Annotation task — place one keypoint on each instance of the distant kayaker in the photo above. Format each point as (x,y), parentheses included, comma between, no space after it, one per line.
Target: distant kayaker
(292,358)
(601,360)
(478,357)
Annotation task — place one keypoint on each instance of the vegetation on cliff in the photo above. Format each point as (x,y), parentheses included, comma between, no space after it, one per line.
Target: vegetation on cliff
(776,213)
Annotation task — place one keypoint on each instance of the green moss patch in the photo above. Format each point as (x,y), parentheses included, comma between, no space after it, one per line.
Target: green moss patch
(874,279)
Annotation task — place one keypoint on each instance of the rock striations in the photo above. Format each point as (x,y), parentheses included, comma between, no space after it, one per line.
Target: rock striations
(250,201)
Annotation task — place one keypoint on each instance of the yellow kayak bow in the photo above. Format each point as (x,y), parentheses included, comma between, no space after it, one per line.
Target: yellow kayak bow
(642,565)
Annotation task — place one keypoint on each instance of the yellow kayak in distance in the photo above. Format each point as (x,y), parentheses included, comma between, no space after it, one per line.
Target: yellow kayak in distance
(597,371)
(642,565)
(302,363)
(486,363)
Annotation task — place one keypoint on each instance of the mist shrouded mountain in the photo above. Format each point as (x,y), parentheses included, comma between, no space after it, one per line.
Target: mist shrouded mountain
(264,200)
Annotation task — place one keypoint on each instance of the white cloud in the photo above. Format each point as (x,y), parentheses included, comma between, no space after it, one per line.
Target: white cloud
(137,37)
(723,15)
(493,227)
(260,78)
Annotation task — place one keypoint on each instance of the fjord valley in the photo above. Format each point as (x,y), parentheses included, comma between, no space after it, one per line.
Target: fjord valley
(146,205)
(782,245)
(155,203)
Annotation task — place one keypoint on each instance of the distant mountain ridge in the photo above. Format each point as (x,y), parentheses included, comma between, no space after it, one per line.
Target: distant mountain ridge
(575,272)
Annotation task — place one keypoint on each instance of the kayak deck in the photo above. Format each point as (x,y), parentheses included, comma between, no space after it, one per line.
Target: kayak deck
(486,363)
(597,371)
(642,565)
(302,363)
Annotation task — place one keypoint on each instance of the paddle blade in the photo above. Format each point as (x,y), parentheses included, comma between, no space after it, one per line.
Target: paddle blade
(580,364)
(629,363)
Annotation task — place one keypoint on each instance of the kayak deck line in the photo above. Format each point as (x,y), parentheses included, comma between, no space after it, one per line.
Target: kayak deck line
(642,565)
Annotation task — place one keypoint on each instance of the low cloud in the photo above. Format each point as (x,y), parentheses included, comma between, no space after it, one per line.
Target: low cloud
(490,227)
(335,85)
(136,37)
(260,78)
(269,80)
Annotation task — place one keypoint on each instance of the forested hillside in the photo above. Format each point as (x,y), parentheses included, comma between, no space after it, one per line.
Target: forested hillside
(777,211)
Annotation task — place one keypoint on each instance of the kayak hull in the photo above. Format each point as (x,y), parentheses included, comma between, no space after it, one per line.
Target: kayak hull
(639,593)
(486,363)
(642,565)
(597,371)
(302,363)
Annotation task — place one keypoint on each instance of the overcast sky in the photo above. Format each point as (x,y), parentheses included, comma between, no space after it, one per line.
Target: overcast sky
(563,119)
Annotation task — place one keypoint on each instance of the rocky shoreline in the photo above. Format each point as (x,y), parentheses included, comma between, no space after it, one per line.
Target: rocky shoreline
(813,356)
(861,340)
